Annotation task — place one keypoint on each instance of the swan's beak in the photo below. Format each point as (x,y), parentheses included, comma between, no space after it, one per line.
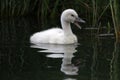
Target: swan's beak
(78,20)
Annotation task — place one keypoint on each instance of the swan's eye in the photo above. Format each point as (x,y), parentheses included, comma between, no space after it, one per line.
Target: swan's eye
(72,15)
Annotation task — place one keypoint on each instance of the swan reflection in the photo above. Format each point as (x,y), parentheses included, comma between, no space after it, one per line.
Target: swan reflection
(61,51)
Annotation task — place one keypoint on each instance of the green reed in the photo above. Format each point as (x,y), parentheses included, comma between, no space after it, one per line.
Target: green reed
(48,8)
(99,11)
(10,8)
(115,10)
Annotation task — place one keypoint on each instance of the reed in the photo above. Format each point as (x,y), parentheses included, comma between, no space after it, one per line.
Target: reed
(99,10)
(10,8)
(43,11)
(94,4)
(115,10)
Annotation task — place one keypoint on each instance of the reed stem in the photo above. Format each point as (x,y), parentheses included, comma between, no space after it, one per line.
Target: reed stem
(115,10)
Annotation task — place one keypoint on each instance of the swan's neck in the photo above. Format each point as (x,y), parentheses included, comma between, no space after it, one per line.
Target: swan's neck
(66,28)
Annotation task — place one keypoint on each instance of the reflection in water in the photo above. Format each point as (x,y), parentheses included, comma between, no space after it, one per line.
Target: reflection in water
(55,48)
(66,67)
(114,65)
(69,79)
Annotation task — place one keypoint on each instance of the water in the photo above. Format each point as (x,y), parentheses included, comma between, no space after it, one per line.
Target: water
(96,57)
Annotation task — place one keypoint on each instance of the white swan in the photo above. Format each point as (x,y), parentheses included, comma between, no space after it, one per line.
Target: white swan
(58,35)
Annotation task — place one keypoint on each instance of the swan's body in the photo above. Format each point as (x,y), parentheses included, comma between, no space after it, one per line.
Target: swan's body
(55,36)
(58,35)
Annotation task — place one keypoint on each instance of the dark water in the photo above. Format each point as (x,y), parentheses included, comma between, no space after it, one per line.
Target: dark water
(97,57)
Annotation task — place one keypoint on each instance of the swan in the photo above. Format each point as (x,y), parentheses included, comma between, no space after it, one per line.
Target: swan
(62,35)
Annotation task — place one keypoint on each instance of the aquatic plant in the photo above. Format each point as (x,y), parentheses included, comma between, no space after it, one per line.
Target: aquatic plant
(115,10)
(10,8)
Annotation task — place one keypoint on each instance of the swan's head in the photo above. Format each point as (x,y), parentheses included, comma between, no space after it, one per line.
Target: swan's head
(71,16)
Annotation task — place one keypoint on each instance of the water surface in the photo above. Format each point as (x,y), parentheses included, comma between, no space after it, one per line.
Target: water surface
(96,57)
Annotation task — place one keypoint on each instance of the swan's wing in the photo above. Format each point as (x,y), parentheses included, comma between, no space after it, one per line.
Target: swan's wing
(46,36)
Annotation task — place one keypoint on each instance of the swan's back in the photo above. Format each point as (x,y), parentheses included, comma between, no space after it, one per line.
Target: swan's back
(47,36)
